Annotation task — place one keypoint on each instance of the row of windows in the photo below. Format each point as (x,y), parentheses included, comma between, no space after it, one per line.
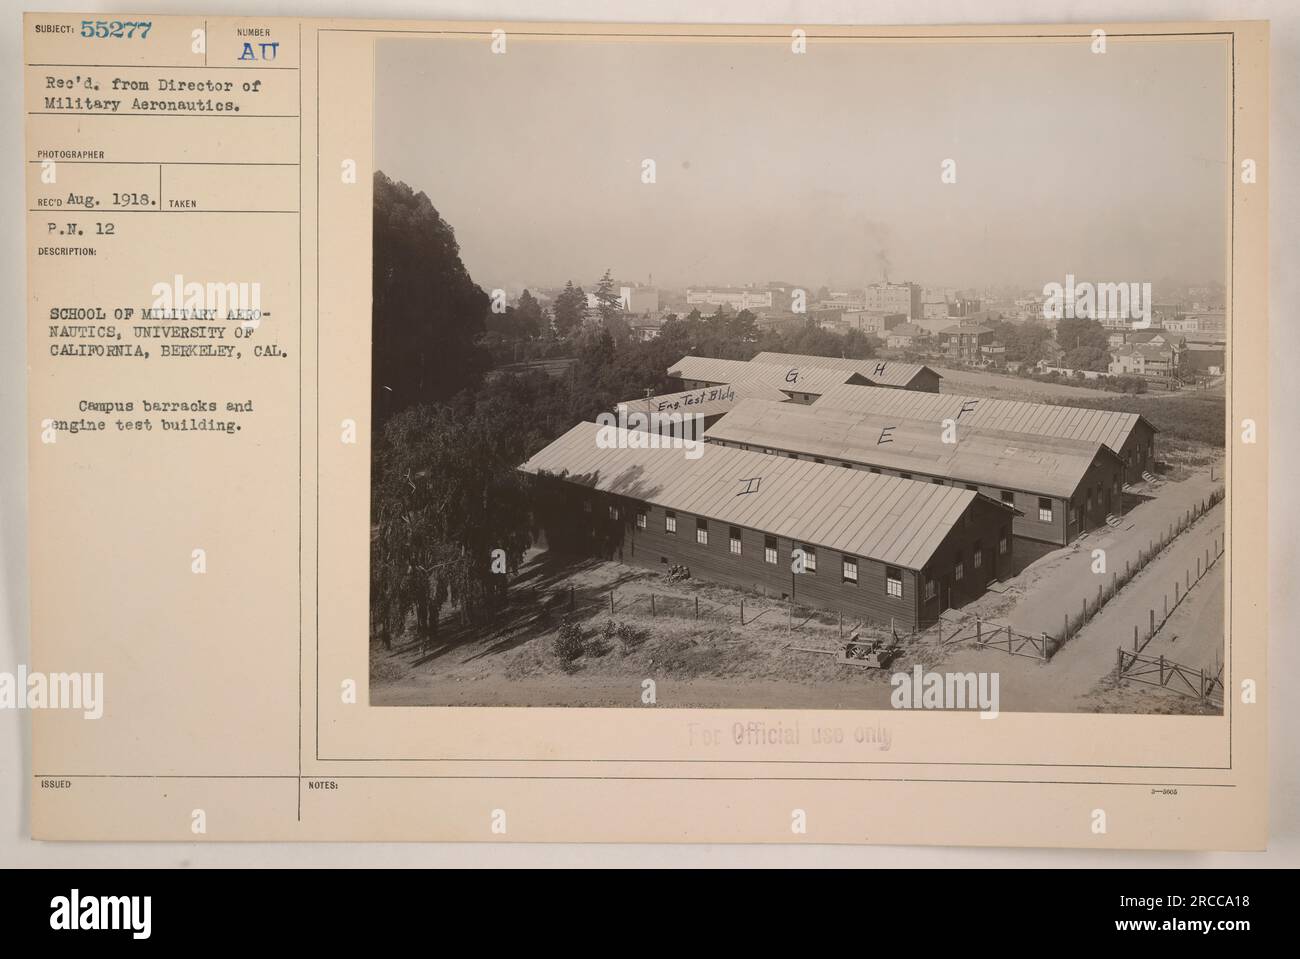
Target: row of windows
(848,564)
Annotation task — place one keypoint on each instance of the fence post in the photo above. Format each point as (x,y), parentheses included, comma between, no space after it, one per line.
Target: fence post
(1187,578)
(1153,623)
(611,602)
(697,607)
(1119,666)
(1176,587)
(979,630)
(652,605)
(1135,637)
(742,611)
(1099,595)
(1202,686)
(1198,568)
(1162,670)
(1162,622)
(1046,639)
(841,624)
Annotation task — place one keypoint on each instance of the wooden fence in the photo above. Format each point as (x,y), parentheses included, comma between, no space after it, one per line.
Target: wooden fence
(1167,674)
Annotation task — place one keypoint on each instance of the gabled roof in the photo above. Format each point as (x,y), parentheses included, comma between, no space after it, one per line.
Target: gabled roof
(1017,461)
(880,372)
(1040,419)
(884,518)
(794,378)
(707,400)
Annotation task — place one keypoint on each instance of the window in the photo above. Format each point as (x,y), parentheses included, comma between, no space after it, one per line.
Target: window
(586,506)
(850,569)
(810,559)
(1044,509)
(702,532)
(847,466)
(1004,542)
(936,481)
(613,513)
(1088,507)
(735,540)
(904,475)
(931,587)
(875,469)
(640,519)
(793,456)
(818,459)
(1008,497)
(769,549)
(1074,513)
(670,522)
(894,581)
(958,569)
(977,559)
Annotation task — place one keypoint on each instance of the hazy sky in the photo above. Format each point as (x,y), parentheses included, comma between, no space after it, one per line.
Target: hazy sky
(815,168)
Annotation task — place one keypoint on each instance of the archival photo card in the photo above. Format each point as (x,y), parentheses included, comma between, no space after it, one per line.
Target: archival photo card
(655,433)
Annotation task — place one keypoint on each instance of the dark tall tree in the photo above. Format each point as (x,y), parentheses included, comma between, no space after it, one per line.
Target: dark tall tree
(608,301)
(427,312)
(570,308)
(531,319)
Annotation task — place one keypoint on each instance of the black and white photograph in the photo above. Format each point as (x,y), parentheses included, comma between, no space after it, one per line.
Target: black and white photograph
(729,375)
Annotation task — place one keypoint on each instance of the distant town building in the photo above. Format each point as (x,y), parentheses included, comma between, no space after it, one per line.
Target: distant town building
(962,342)
(906,336)
(639,299)
(887,297)
(873,323)
(736,299)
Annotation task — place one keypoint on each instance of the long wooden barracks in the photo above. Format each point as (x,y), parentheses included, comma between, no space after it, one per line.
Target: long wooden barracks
(803,378)
(1130,435)
(875,546)
(1059,487)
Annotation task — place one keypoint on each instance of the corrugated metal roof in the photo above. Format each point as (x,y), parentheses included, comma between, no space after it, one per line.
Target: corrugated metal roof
(882,372)
(1050,466)
(892,520)
(794,378)
(1067,422)
(706,401)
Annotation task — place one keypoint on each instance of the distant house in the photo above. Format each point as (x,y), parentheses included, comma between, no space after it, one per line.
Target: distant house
(962,342)
(1150,352)
(1143,359)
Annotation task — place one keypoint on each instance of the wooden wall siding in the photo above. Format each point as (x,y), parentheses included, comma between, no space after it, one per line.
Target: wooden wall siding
(986,523)
(1139,453)
(595,533)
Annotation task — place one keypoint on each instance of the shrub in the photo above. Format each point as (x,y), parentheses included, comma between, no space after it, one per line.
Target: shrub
(569,642)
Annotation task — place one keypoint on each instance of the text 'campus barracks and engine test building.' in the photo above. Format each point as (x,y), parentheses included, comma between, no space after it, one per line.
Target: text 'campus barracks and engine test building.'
(903,501)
